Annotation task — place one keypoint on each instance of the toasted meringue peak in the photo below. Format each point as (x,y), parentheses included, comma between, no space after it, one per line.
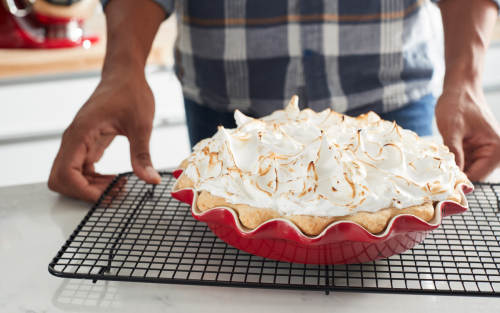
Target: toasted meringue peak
(292,110)
(241,119)
(321,164)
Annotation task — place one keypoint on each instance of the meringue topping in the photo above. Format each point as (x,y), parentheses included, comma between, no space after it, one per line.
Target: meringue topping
(321,164)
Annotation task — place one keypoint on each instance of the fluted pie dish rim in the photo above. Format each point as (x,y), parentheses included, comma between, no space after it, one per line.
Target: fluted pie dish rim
(335,232)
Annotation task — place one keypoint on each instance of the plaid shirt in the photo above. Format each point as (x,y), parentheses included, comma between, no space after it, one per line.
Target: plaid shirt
(348,55)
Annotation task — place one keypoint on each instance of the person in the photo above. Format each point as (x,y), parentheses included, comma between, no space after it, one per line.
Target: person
(349,55)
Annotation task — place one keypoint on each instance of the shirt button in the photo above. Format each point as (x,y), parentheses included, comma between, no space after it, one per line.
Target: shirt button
(308,53)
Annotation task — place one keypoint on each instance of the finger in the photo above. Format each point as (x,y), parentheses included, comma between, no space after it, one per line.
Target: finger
(100,182)
(454,143)
(480,169)
(90,188)
(141,159)
(467,164)
(71,177)
(469,157)
(99,179)
(88,168)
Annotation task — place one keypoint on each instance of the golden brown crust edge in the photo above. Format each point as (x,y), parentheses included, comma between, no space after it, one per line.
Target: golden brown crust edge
(185,182)
(462,179)
(184,164)
(252,217)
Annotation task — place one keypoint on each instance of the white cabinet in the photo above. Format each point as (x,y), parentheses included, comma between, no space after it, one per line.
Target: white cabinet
(48,106)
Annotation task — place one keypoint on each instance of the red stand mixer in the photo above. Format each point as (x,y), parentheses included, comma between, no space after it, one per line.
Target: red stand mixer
(22,27)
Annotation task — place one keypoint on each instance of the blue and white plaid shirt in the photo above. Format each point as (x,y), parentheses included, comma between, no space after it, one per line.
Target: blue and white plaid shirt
(348,55)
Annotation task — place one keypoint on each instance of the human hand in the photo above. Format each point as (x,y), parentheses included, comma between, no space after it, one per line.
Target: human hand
(469,129)
(117,107)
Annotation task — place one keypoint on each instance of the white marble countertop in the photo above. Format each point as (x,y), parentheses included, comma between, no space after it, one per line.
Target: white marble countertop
(34,223)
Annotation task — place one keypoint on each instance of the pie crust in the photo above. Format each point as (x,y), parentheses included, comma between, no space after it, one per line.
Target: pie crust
(251,217)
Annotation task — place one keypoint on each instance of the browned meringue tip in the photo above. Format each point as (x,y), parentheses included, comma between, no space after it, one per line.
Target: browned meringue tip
(370,117)
(241,119)
(292,108)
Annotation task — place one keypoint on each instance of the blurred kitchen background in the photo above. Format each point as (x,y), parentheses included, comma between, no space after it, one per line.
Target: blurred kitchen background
(42,89)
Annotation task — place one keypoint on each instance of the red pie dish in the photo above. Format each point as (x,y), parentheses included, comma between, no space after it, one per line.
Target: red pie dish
(342,242)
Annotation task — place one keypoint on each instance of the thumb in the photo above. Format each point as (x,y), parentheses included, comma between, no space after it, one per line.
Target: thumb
(479,170)
(454,143)
(141,160)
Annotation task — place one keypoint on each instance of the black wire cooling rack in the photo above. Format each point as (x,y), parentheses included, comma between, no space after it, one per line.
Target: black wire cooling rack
(139,233)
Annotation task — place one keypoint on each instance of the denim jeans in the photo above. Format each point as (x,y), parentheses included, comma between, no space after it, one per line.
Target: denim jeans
(416,116)
(202,121)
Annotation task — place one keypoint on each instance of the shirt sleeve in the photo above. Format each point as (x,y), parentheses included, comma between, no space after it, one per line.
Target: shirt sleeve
(497,2)
(167,5)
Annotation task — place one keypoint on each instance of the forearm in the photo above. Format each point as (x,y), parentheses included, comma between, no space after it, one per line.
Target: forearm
(131,29)
(468,26)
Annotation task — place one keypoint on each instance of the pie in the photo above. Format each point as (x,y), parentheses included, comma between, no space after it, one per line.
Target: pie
(315,169)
